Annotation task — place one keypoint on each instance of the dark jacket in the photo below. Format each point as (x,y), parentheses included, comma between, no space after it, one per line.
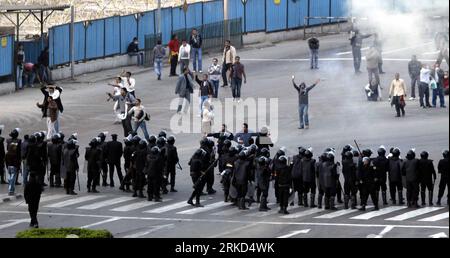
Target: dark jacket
(34,159)
(427,173)
(443,168)
(308,170)
(54,154)
(330,175)
(356,41)
(284,175)
(206,89)
(114,151)
(313,43)
(93,157)
(13,152)
(70,159)
(132,48)
(367,174)
(411,170)
(2,150)
(196,42)
(153,166)
(139,160)
(44,58)
(297,167)
(263,176)
(414,68)
(381,165)
(127,153)
(45,102)
(349,171)
(171,158)
(242,171)
(303,95)
(395,170)
(196,167)
(32,191)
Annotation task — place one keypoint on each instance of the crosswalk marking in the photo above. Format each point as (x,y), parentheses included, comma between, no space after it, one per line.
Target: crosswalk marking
(4,196)
(234,211)
(273,211)
(380,212)
(207,207)
(336,214)
(74,201)
(105,203)
(100,222)
(136,206)
(45,198)
(415,213)
(170,207)
(436,217)
(302,213)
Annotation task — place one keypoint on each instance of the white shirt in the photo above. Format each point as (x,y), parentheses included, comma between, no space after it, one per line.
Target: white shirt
(185,52)
(215,72)
(129,86)
(425,75)
(117,89)
(208,116)
(136,111)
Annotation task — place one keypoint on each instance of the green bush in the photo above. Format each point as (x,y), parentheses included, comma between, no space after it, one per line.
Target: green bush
(63,233)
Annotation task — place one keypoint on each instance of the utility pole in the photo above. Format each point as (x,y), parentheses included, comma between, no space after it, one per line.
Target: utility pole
(158,18)
(226,31)
(72,46)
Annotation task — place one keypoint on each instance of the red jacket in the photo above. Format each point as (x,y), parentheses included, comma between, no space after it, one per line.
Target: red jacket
(174,45)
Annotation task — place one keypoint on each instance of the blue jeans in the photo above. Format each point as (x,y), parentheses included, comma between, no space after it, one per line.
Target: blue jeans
(158,66)
(25,172)
(140,57)
(197,56)
(314,58)
(19,76)
(202,100)
(136,125)
(439,92)
(12,178)
(303,112)
(236,87)
(216,88)
(30,77)
(44,73)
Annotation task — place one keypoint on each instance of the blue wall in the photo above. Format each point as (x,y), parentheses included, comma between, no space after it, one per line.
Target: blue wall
(297,12)
(95,39)
(194,15)
(255,20)
(146,26)
(32,50)
(128,30)
(6,56)
(319,8)
(276,15)
(212,12)
(112,35)
(178,19)
(59,44)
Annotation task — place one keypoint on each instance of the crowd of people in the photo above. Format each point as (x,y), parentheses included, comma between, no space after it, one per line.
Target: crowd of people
(28,72)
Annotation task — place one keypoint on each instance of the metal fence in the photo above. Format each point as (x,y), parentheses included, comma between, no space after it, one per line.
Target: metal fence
(213,36)
(6,56)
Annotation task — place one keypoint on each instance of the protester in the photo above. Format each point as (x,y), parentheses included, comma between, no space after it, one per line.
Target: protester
(356,40)
(118,85)
(13,158)
(237,75)
(158,54)
(207,117)
(445,83)
(414,67)
(314,45)
(184,89)
(43,62)
(228,58)
(2,157)
(438,87)
(125,101)
(196,43)
(139,116)
(206,91)
(31,72)
(397,92)
(214,72)
(52,97)
(303,101)
(133,50)
(372,60)
(128,82)
(378,45)
(20,61)
(174,47)
(424,88)
(245,135)
(184,55)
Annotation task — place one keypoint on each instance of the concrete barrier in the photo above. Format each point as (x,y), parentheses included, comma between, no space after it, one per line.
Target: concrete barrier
(7,88)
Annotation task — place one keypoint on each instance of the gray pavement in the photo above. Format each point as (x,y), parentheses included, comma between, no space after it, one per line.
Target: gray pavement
(339,113)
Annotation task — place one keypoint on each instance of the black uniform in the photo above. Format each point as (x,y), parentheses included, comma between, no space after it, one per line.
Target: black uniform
(308,166)
(427,177)
(284,185)
(395,179)
(127,154)
(104,162)
(42,146)
(32,195)
(70,162)
(154,171)
(329,177)
(171,163)
(228,158)
(198,167)
(275,165)
(54,156)
(241,178)
(349,171)
(2,161)
(411,171)
(139,159)
(114,154)
(211,157)
(443,168)
(367,176)
(263,181)
(381,165)
(319,178)
(93,156)
(297,177)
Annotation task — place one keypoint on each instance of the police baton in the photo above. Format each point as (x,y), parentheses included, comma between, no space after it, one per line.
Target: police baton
(357,146)
(179,166)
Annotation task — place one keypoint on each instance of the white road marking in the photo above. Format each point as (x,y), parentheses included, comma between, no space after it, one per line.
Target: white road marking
(382,233)
(137,205)
(436,217)
(415,213)
(74,201)
(45,198)
(5,196)
(327,59)
(234,211)
(207,207)
(373,214)
(233,230)
(294,233)
(439,235)
(430,53)
(302,213)
(101,222)
(336,214)
(350,52)
(13,223)
(105,203)
(274,210)
(229,221)
(149,231)
(405,48)
(170,207)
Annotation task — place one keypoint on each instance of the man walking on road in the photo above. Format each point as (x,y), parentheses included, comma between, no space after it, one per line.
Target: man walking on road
(214,72)
(313,44)
(424,88)
(414,67)
(438,91)
(372,61)
(184,55)
(229,54)
(303,101)
(158,54)
(196,43)
(184,89)
(237,75)
(174,47)
(356,42)
(397,92)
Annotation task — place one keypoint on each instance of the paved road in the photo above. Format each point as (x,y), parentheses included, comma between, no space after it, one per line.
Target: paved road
(339,113)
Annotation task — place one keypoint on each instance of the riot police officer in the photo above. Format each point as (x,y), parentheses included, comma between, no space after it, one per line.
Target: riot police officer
(241,177)
(139,160)
(154,171)
(443,168)
(54,156)
(104,158)
(171,161)
(395,177)
(114,155)
(198,167)
(70,162)
(427,177)
(350,180)
(308,166)
(93,157)
(263,180)
(297,177)
(367,176)
(284,183)
(381,165)
(410,169)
